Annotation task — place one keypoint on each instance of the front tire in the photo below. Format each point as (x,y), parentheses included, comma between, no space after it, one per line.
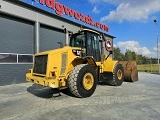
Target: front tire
(82,80)
(118,75)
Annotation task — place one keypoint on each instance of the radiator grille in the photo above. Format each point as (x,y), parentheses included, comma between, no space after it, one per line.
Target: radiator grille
(40,64)
(63,62)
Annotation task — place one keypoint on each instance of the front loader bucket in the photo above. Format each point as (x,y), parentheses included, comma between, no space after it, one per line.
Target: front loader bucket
(130,71)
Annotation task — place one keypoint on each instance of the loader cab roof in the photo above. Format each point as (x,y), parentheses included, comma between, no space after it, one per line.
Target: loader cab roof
(89,30)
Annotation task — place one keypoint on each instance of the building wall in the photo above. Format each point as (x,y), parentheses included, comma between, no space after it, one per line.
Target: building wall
(24,31)
(49,38)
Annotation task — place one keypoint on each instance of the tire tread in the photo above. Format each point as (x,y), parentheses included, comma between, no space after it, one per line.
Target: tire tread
(72,80)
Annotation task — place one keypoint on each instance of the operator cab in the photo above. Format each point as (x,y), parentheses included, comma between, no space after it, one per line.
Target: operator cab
(90,40)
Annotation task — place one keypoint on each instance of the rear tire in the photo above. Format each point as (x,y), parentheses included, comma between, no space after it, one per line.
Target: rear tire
(82,80)
(118,75)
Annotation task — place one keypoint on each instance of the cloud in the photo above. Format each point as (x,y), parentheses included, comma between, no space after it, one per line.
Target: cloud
(95,10)
(114,45)
(155,47)
(130,10)
(135,46)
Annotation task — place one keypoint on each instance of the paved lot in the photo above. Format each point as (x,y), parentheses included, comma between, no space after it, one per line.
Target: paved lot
(131,101)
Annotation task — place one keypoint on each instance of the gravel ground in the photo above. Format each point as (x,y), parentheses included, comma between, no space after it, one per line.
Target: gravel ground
(131,101)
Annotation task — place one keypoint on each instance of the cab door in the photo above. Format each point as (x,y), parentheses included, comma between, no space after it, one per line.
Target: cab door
(92,46)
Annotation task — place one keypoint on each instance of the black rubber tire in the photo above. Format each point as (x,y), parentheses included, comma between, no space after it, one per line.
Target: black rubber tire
(116,81)
(75,80)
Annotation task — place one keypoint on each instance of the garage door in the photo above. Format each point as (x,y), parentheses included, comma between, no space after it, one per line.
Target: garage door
(16,49)
(49,38)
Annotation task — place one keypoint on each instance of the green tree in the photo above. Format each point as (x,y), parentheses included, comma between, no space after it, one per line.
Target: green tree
(139,59)
(118,55)
(131,55)
(128,55)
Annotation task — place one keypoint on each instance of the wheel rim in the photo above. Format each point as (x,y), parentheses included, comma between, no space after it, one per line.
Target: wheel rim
(119,74)
(88,81)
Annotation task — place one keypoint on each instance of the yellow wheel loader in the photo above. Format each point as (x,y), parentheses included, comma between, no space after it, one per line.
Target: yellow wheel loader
(80,66)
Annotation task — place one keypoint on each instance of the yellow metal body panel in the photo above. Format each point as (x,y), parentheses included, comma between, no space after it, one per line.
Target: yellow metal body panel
(42,80)
(108,65)
(60,62)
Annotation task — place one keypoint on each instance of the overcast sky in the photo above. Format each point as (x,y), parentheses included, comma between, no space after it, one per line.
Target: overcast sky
(130,21)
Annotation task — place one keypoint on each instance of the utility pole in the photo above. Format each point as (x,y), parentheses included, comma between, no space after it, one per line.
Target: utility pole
(157,45)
